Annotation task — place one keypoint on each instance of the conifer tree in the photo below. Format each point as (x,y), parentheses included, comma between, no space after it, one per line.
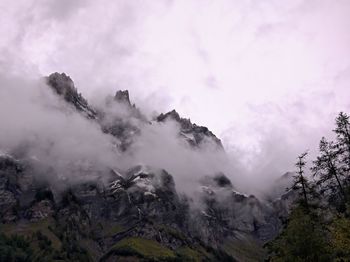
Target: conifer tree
(327,167)
(342,131)
(300,181)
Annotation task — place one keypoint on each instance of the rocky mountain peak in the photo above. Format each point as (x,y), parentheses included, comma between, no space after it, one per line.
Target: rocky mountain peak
(63,85)
(194,134)
(174,115)
(123,97)
(139,203)
(217,181)
(171,114)
(222,180)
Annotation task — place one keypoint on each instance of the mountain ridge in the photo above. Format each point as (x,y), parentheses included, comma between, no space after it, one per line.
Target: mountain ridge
(110,216)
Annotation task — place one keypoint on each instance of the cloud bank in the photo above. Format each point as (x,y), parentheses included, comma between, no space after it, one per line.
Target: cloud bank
(61,143)
(267,77)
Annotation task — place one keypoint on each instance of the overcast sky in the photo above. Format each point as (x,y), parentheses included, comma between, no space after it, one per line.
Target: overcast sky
(267,77)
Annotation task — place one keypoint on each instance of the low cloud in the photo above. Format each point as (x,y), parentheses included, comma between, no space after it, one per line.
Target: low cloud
(268,78)
(37,124)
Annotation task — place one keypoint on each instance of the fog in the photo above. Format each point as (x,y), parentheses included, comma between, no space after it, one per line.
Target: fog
(159,145)
(268,78)
(38,125)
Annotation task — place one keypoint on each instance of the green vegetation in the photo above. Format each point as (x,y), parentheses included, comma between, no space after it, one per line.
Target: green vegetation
(14,248)
(43,242)
(143,248)
(172,231)
(245,249)
(302,240)
(28,229)
(189,254)
(36,247)
(110,230)
(340,238)
(140,249)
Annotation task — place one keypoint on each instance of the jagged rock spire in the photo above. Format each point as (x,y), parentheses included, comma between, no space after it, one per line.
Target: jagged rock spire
(63,85)
(193,133)
(122,96)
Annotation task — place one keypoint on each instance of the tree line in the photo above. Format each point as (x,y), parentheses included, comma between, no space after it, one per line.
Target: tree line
(318,227)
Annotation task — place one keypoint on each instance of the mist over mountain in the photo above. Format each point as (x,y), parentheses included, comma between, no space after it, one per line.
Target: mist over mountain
(57,125)
(121,167)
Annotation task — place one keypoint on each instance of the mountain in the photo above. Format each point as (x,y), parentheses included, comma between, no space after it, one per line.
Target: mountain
(64,87)
(195,135)
(133,214)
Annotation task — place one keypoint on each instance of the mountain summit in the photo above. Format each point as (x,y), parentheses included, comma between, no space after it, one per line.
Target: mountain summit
(63,85)
(194,134)
(133,212)
(123,97)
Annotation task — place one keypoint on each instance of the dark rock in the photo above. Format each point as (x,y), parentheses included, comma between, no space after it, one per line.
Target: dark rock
(173,115)
(222,180)
(9,169)
(8,204)
(64,87)
(125,127)
(41,210)
(193,134)
(122,97)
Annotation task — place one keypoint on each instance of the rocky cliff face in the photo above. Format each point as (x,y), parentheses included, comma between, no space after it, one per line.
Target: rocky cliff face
(135,214)
(195,135)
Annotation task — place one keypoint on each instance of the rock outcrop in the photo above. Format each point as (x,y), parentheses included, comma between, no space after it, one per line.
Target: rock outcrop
(63,85)
(195,135)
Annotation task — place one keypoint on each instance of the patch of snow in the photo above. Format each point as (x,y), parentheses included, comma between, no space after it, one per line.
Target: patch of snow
(207,190)
(115,184)
(239,193)
(34,158)
(142,169)
(136,178)
(188,136)
(147,193)
(118,174)
(206,214)
(4,154)
(145,184)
